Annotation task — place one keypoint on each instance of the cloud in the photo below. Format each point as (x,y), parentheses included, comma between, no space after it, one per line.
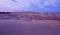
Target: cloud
(7,5)
(20,5)
(43,3)
(51,2)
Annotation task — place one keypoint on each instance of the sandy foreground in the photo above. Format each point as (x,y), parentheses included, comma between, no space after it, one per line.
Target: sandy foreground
(21,27)
(50,22)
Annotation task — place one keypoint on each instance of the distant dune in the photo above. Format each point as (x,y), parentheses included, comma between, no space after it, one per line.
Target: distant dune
(29,15)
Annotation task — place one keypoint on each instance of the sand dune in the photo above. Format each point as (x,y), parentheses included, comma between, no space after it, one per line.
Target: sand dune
(27,23)
(31,15)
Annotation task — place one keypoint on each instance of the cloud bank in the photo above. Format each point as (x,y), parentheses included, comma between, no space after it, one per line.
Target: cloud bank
(21,5)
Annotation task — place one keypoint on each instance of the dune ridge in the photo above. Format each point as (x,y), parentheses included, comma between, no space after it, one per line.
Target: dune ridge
(29,15)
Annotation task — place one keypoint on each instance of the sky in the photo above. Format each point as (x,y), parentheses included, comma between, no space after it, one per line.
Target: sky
(30,5)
